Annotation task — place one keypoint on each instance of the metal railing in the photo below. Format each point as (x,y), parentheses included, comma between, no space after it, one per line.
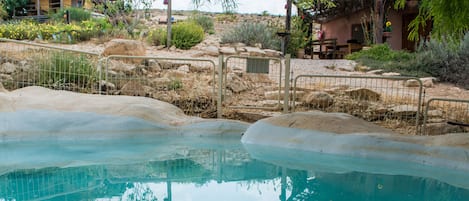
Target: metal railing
(32,64)
(265,79)
(163,78)
(443,115)
(384,100)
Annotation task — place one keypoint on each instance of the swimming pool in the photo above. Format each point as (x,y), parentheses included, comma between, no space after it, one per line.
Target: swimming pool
(56,146)
(208,168)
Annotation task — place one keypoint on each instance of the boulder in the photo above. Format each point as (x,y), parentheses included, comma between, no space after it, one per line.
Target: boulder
(403,111)
(106,86)
(125,47)
(211,51)
(236,83)
(133,88)
(391,74)
(412,83)
(363,94)
(272,53)
(441,128)
(318,100)
(375,72)
(8,68)
(228,51)
(255,52)
(428,81)
(184,68)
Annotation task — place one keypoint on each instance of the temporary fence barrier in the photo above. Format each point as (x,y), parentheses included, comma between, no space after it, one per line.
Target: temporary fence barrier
(384,100)
(443,115)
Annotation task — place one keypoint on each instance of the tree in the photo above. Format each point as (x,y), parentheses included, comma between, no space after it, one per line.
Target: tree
(450,18)
(10,6)
(228,5)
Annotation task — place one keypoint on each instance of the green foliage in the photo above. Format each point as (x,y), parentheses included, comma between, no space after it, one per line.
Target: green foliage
(76,15)
(381,52)
(251,33)
(3,11)
(438,58)
(157,37)
(450,18)
(299,36)
(383,57)
(175,84)
(449,63)
(186,35)
(68,33)
(226,17)
(11,6)
(66,68)
(227,5)
(308,4)
(205,22)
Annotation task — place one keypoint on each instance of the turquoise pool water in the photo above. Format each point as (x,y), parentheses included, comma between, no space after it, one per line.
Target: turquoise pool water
(206,169)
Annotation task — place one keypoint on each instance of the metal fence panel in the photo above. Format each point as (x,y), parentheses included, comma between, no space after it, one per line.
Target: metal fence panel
(189,84)
(253,82)
(383,100)
(444,115)
(25,64)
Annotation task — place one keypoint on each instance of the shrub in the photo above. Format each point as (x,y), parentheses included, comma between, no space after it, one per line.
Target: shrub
(69,33)
(445,61)
(252,33)
(205,22)
(186,35)
(60,69)
(157,37)
(76,15)
(381,56)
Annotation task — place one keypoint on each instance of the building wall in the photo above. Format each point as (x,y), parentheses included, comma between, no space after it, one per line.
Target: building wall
(341,28)
(396,35)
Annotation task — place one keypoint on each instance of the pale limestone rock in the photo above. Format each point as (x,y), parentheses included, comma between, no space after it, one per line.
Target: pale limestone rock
(363,94)
(412,83)
(236,84)
(228,50)
(428,81)
(272,53)
(318,100)
(106,86)
(256,52)
(125,47)
(132,88)
(211,51)
(184,68)
(391,74)
(8,68)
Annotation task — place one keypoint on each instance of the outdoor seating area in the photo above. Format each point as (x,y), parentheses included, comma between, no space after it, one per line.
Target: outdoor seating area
(329,48)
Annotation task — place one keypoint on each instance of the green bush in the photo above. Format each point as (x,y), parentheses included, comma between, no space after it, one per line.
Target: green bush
(157,37)
(69,33)
(205,22)
(299,36)
(381,56)
(66,68)
(76,15)
(445,61)
(381,52)
(252,33)
(186,35)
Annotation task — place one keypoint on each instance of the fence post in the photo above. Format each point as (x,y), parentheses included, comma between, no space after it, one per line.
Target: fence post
(220,86)
(286,95)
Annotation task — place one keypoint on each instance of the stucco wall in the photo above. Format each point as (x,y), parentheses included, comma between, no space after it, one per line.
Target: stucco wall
(341,28)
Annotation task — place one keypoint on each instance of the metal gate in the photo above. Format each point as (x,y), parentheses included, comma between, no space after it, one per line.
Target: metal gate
(254,83)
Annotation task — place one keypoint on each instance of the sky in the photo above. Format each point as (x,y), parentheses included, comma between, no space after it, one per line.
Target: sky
(274,7)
